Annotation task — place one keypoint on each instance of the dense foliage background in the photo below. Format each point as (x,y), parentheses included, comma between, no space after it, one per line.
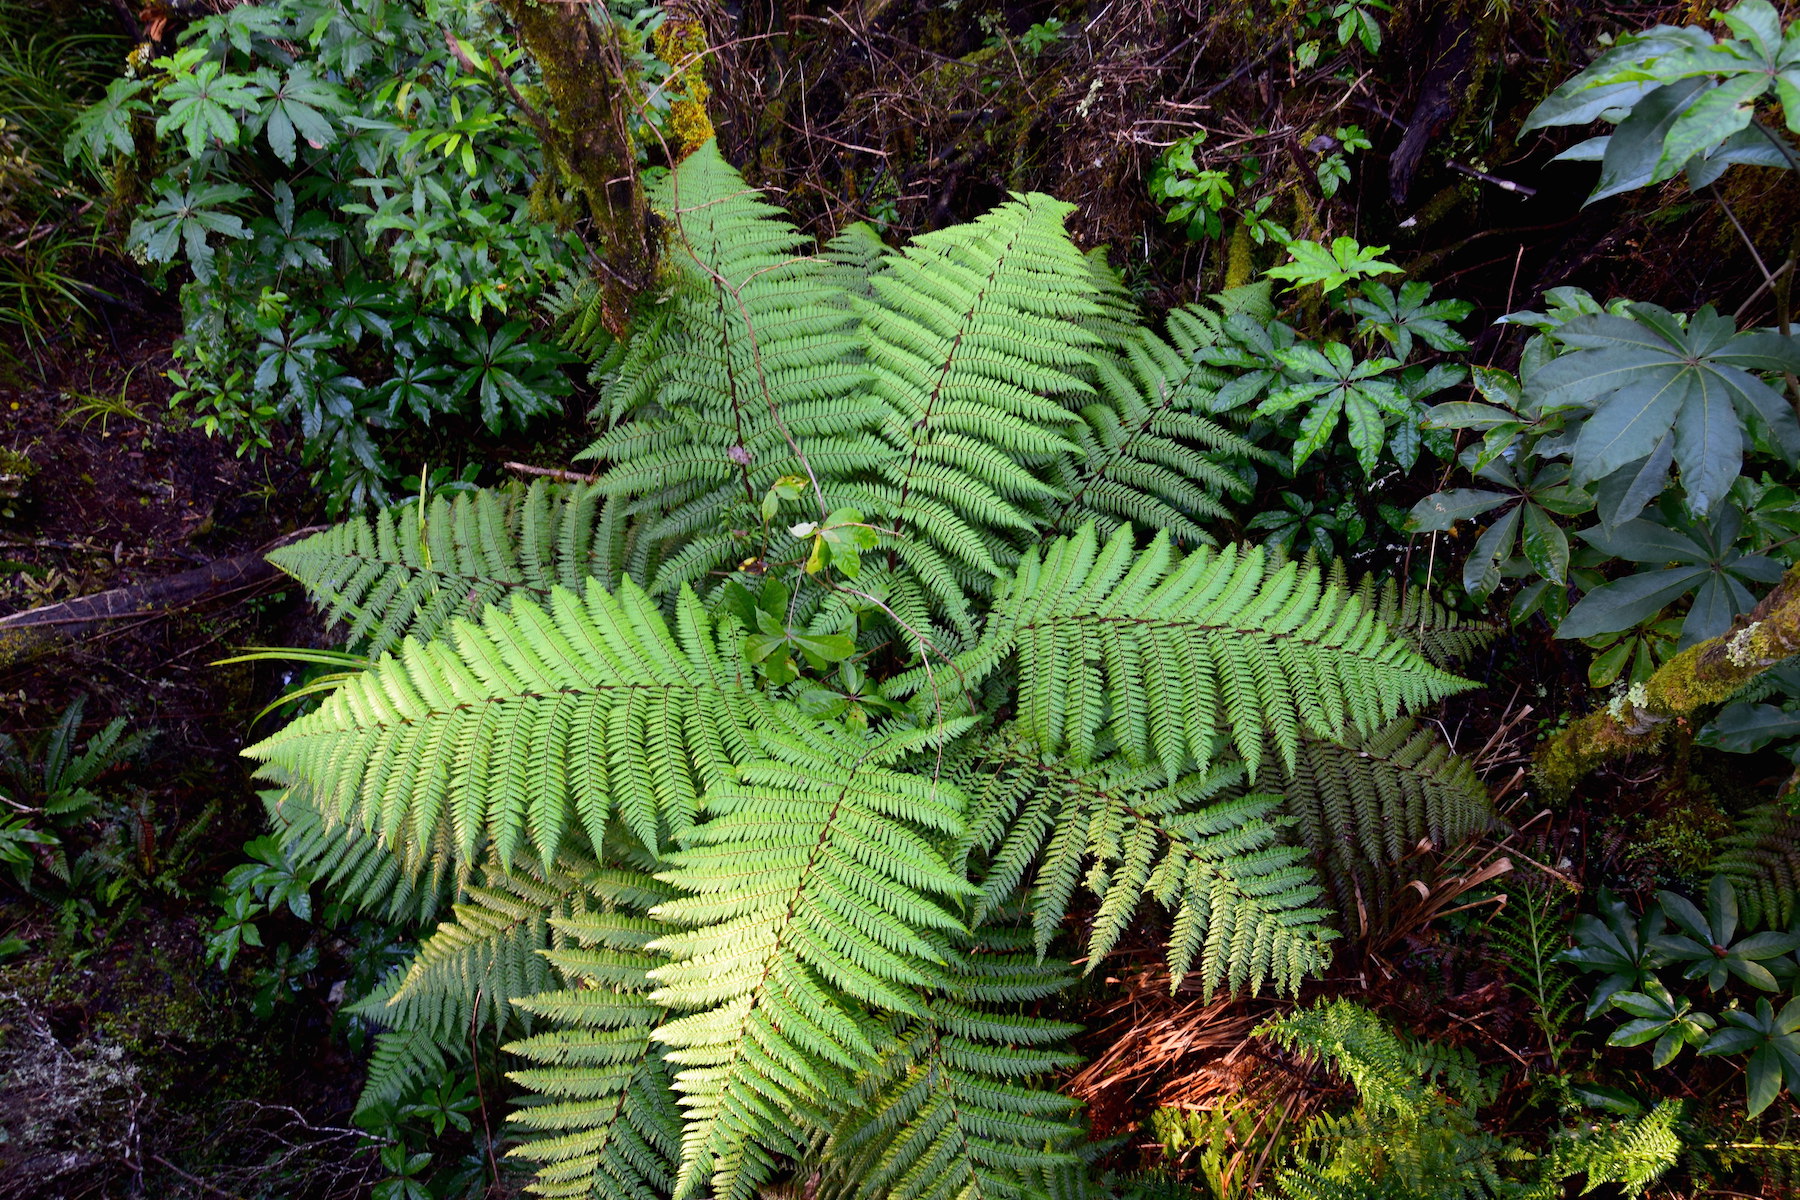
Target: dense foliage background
(1486,304)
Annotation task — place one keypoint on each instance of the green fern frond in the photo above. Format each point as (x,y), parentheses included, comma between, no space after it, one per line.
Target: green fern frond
(1243,904)
(400,576)
(1393,1075)
(1445,638)
(353,865)
(815,898)
(1413,1133)
(1365,804)
(401,1060)
(536,722)
(1150,455)
(976,350)
(1761,857)
(751,355)
(1162,655)
(490,953)
(954,1109)
(601,1117)
(1632,1153)
(855,254)
(576,307)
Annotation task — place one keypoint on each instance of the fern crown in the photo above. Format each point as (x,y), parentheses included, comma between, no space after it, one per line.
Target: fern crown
(755,784)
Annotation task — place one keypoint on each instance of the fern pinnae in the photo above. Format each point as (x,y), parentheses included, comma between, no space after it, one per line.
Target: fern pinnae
(398,575)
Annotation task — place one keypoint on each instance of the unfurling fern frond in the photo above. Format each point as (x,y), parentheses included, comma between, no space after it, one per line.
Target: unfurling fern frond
(468,973)
(1762,859)
(1243,904)
(1161,655)
(815,899)
(953,1109)
(535,722)
(601,1118)
(353,865)
(1365,805)
(1444,637)
(400,575)
(751,354)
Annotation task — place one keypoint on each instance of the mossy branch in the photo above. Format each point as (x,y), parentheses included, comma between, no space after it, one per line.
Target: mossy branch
(587,77)
(1700,676)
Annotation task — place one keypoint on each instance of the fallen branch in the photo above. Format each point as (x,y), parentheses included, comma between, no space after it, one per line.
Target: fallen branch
(28,631)
(1699,677)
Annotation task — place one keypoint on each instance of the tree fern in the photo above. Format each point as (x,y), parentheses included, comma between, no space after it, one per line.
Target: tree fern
(401,1060)
(523,727)
(1164,654)
(952,1110)
(753,907)
(1242,904)
(405,574)
(815,899)
(1365,804)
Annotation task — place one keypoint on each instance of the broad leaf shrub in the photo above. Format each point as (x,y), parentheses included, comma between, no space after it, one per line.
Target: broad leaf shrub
(365,222)
(786,746)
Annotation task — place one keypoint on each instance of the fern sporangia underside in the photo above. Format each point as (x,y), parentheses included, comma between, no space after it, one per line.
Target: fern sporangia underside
(766,936)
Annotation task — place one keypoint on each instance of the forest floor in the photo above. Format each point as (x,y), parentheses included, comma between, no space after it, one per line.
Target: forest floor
(128,1065)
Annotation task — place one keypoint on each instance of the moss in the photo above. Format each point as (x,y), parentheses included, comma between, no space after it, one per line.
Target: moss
(681,43)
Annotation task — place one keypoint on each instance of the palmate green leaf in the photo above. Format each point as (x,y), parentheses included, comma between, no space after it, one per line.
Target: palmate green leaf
(814,899)
(204,103)
(186,219)
(1164,654)
(1644,376)
(1706,563)
(300,106)
(1685,98)
(540,721)
(104,127)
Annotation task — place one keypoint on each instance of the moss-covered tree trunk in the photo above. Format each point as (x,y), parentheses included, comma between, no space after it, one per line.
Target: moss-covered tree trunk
(589,80)
(1695,679)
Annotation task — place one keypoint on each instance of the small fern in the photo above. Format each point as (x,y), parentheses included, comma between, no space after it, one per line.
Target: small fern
(1761,857)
